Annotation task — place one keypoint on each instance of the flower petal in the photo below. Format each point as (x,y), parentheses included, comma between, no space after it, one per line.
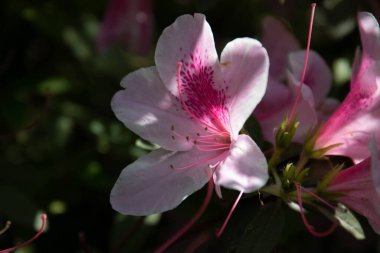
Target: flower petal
(160,181)
(245,74)
(190,40)
(152,112)
(318,75)
(277,96)
(370,34)
(245,169)
(279,42)
(362,104)
(128,22)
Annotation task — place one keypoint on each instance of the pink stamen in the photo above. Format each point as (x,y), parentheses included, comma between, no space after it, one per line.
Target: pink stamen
(195,218)
(179,65)
(43,218)
(309,227)
(6,227)
(196,163)
(317,197)
(220,231)
(212,149)
(293,111)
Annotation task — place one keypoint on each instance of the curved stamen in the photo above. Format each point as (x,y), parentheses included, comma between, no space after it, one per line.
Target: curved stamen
(43,218)
(220,231)
(293,111)
(6,227)
(185,228)
(309,227)
(202,161)
(319,198)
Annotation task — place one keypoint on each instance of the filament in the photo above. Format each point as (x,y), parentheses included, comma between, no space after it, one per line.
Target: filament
(43,218)
(220,231)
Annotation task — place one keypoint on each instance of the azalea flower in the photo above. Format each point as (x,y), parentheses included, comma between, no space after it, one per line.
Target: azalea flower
(357,119)
(359,186)
(193,105)
(129,23)
(287,61)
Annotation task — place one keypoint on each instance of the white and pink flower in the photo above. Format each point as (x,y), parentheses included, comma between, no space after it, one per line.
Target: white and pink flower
(193,105)
(357,119)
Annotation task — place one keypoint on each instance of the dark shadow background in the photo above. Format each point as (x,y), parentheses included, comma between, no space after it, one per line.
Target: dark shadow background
(62,149)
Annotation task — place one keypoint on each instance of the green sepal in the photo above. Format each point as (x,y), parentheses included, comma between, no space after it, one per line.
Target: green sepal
(285,133)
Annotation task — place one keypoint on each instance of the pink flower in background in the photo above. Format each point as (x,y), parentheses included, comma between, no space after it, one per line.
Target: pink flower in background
(357,120)
(360,186)
(285,71)
(193,105)
(128,23)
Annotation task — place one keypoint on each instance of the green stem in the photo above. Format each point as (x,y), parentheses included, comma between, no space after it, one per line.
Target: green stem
(301,162)
(273,163)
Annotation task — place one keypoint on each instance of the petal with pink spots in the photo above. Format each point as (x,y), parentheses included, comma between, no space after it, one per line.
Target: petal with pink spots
(160,180)
(151,111)
(188,40)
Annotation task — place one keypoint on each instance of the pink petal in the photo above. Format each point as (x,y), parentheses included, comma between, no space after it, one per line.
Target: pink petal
(152,112)
(160,181)
(370,34)
(375,165)
(360,186)
(277,96)
(128,22)
(244,69)
(318,75)
(245,169)
(190,40)
(279,42)
(357,120)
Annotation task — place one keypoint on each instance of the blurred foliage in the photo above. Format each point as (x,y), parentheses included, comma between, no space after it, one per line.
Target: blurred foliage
(62,148)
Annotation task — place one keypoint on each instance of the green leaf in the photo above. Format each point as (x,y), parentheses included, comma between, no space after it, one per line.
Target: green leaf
(263,231)
(349,222)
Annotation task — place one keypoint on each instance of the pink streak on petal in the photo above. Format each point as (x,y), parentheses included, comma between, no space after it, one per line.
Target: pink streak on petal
(190,40)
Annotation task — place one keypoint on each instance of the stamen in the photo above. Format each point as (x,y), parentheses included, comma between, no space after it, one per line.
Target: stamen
(195,218)
(319,198)
(43,218)
(293,111)
(6,227)
(220,231)
(309,227)
(202,161)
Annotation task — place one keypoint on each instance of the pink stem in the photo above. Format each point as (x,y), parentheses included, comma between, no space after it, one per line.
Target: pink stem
(43,218)
(185,228)
(220,231)
(293,111)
